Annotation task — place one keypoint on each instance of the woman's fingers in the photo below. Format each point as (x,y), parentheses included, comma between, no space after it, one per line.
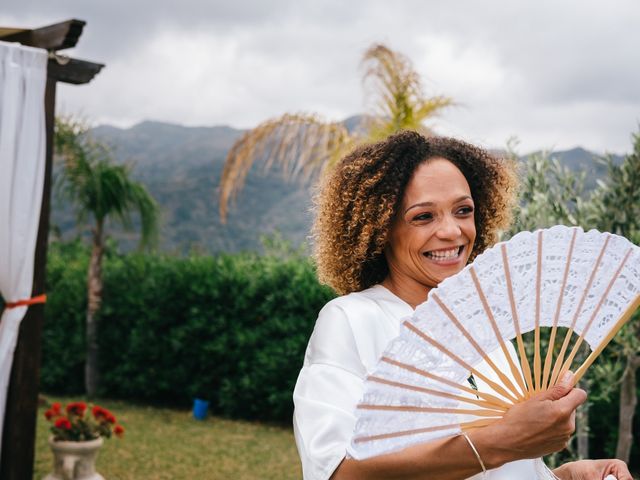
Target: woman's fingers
(617,468)
(571,400)
(562,388)
(607,469)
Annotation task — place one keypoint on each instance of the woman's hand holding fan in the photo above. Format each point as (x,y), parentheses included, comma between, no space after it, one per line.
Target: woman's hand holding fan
(543,428)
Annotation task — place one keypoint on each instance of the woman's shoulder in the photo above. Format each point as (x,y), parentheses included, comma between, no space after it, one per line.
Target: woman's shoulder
(372,302)
(353,303)
(338,317)
(356,326)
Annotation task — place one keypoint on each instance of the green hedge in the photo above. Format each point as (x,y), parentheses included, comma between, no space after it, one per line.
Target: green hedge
(231,329)
(63,337)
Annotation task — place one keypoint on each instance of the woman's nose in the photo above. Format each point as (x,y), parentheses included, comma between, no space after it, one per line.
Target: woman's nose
(449,228)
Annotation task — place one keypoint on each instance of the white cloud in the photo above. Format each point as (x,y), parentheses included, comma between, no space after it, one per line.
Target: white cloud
(553,73)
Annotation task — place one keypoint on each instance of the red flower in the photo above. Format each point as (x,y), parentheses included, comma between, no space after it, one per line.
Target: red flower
(76,408)
(103,415)
(82,421)
(118,430)
(63,423)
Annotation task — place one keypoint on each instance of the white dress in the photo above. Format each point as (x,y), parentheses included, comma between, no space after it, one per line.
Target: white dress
(349,336)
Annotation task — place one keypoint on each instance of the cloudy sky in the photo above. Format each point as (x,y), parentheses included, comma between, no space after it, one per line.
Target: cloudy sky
(554,74)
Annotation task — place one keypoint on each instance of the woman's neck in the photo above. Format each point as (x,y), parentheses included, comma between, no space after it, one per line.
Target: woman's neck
(410,291)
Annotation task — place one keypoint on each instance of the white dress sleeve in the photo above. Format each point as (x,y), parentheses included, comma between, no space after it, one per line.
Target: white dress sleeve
(328,388)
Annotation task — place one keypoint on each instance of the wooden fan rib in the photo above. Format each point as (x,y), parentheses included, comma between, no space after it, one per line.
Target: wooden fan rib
(524,361)
(492,400)
(517,374)
(403,433)
(437,393)
(576,346)
(633,306)
(418,431)
(536,337)
(498,388)
(560,358)
(478,412)
(549,357)
(483,422)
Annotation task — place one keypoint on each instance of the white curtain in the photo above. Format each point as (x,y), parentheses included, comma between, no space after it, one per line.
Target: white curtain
(23,75)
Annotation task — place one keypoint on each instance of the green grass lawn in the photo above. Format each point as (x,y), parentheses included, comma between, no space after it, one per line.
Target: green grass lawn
(163,443)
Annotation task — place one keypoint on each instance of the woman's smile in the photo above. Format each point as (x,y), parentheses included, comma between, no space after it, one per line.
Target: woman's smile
(446,256)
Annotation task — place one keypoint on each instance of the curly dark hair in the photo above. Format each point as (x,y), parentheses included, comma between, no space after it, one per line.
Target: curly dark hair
(358,200)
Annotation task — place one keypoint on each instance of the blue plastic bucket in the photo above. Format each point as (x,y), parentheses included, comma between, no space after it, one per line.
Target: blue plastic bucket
(200,408)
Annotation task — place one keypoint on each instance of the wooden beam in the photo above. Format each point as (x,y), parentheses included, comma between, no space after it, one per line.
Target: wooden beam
(71,70)
(19,435)
(52,37)
(6,31)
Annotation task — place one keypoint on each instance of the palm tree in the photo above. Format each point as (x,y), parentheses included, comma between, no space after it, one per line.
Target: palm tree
(101,190)
(304,145)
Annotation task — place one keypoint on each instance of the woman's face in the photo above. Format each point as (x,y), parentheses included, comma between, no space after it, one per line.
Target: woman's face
(433,233)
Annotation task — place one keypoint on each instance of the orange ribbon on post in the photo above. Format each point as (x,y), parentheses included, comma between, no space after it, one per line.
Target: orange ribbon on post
(26,302)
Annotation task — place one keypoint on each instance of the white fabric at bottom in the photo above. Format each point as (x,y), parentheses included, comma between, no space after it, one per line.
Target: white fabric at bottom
(349,337)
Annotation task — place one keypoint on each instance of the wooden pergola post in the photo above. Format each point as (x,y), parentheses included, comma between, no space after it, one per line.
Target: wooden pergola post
(18,436)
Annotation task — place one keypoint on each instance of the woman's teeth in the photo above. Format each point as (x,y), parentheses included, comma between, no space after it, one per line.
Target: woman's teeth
(444,254)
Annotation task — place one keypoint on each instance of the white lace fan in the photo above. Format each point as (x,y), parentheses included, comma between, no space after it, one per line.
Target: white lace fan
(557,281)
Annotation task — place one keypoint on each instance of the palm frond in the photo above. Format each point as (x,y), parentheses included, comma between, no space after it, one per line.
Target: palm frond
(398,94)
(301,144)
(148,211)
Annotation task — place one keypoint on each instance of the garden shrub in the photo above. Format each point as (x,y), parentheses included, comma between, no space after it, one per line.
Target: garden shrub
(229,328)
(63,336)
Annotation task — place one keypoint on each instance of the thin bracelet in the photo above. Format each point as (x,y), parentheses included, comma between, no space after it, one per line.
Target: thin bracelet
(475,451)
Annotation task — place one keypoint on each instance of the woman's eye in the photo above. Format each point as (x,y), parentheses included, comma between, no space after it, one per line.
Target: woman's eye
(422,217)
(465,210)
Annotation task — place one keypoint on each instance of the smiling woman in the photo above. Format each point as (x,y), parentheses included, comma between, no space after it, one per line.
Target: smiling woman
(393,220)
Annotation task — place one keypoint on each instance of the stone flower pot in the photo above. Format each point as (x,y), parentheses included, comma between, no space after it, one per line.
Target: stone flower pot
(74,460)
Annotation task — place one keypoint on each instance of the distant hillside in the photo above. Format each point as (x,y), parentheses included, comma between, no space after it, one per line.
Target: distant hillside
(181,167)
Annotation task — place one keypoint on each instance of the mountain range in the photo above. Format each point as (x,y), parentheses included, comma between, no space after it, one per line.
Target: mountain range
(181,167)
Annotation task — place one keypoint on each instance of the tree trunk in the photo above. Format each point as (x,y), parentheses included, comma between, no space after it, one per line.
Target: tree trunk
(94,288)
(628,402)
(582,424)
